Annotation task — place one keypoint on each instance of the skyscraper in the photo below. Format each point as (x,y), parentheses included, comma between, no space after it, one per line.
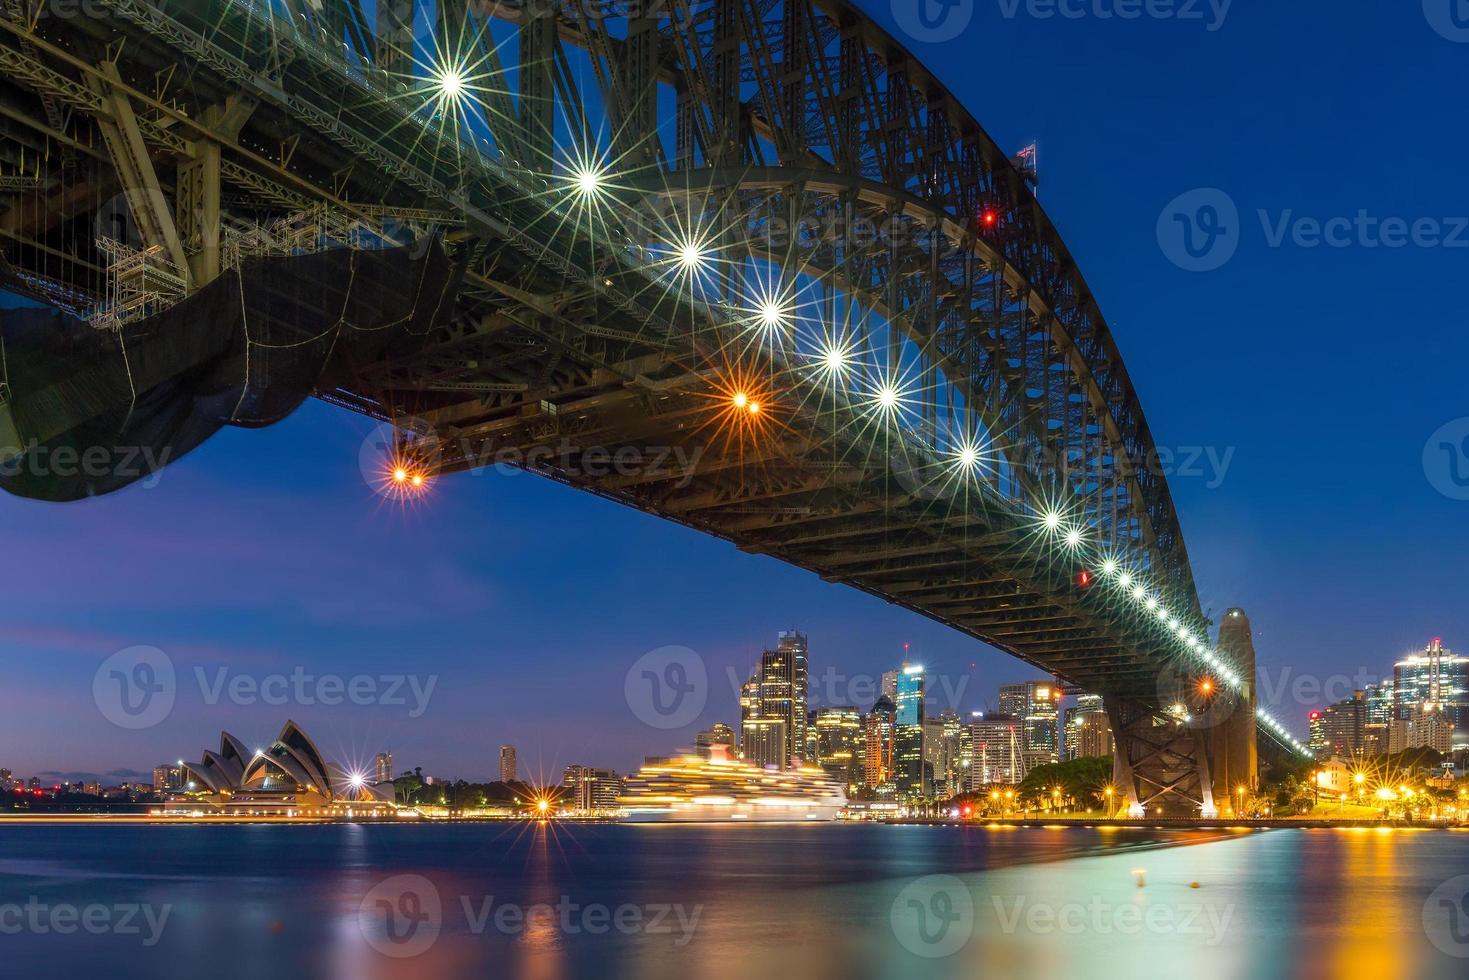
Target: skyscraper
(908,761)
(1087,732)
(996,747)
(839,743)
(909,697)
(765,742)
(877,766)
(1378,721)
(1342,727)
(1034,703)
(783,690)
(507,764)
(1432,683)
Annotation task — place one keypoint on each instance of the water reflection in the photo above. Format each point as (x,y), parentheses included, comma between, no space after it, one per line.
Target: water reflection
(548,901)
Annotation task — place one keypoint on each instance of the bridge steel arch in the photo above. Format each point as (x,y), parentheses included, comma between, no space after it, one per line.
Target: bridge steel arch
(761,134)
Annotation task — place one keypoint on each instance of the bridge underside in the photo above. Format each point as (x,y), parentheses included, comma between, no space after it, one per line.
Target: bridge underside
(505,316)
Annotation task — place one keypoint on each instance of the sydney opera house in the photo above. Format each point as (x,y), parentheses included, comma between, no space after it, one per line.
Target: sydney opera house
(290,778)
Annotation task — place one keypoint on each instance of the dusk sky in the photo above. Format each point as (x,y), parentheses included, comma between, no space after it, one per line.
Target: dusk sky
(1311,378)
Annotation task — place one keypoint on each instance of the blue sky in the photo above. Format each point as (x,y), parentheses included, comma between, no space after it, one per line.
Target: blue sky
(1318,373)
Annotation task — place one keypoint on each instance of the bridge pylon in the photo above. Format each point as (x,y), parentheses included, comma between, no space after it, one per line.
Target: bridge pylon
(1160,764)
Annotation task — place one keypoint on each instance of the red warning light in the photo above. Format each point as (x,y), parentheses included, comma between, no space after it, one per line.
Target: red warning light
(1084,578)
(1315,716)
(989,218)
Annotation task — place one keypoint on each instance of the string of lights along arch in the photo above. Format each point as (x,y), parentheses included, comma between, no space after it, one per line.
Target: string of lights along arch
(745,264)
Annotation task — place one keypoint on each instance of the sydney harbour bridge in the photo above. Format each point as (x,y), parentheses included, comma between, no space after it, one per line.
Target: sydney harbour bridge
(753,244)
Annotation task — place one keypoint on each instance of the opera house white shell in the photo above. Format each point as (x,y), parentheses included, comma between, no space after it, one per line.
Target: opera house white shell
(288,778)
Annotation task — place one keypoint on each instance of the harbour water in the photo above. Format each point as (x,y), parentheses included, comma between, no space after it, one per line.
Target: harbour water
(358,902)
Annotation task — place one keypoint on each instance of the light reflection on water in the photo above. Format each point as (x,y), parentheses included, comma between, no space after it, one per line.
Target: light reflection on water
(733,901)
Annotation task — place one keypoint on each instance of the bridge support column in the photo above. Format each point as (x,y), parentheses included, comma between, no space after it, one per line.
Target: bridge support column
(1159,763)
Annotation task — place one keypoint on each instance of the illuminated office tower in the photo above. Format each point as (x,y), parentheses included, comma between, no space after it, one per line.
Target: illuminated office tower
(765,742)
(941,753)
(1087,732)
(1430,701)
(1034,703)
(507,764)
(877,765)
(383,767)
(1343,726)
(909,698)
(912,776)
(783,690)
(996,751)
(839,743)
(1377,725)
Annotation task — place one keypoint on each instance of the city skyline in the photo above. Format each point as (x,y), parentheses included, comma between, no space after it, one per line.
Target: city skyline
(973,702)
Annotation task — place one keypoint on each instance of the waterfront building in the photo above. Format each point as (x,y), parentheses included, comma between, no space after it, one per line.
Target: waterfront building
(1343,726)
(168,778)
(839,743)
(289,778)
(877,768)
(1316,734)
(765,743)
(591,790)
(784,684)
(1034,704)
(508,769)
(941,753)
(1428,684)
(1087,731)
(1377,725)
(383,767)
(996,751)
(716,734)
